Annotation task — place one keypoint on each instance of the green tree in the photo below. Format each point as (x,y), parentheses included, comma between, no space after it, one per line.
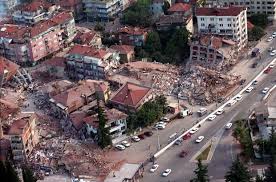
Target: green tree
(152,43)
(260,20)
(28,175)
(259,179)
(104,139)
(99,27)
(166,6)
(238,173)
(11,174)
(201,173)
(3,171)
(256,33)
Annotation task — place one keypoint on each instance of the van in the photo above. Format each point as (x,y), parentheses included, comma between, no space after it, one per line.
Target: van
(255,52)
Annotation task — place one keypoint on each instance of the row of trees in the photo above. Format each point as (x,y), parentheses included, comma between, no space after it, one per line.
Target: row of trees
(150,112)
(167,46)
(8,173)
(260,22)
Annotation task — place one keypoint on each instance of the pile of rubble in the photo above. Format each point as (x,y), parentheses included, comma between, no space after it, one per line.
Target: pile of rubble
(203,86)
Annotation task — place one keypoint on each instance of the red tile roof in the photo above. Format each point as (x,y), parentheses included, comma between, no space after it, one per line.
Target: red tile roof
(77,119)
(62,17)
(35,5)
(88,51)
(41,27)
(130,94)
(11,67)
(123,49)
(18,126)
(13,31)
(179,7)
(250,26)
(133,30)
(215,42)
(55,61)
(85,37)
(222,11)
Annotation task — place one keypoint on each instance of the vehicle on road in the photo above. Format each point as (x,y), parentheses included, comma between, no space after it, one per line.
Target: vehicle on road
(220,111)
(160,126)
(148,133)
(238,97)
(165,119)
(249,89)
(271,66)
(255,52)
(255,82)
(267,70)
(269,39)
(231,103)
(242,81)
(161,123)
(178,142)
(141,136)
(273,53)
(183,154)
(265,90)
(135,138)
(187,136)
(202,111)
(270,49)
(212,117)
(228,125)
(193,130)
(125,143)
(120,147)
(274,34)
(166,172)
(154,168)
(199,139)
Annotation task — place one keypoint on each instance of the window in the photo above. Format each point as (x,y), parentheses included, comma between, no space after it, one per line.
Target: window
(229,25)
(212,19)
(220,19)
(221,25)
(202,24)
(228,19)
(202,19)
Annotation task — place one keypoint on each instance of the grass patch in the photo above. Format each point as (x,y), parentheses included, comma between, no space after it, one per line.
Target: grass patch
(204,155)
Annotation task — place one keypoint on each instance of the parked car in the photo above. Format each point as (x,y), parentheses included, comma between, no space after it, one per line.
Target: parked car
(165,119)
(220,111)
(228,125)
(125,143)
(269,39)
(183,154)
(199,139)
(249,89)
(120,147)
(242,81)
(160,126)
(255,82)
(202,111)
(178,142)
(254,65)
(166,172)
(154,168)
(212,117)
(135,138)
(193,130)
(231,103)
(267,70)
(265,90)
(141,136)
(271,66)
(273,53)
(148,133)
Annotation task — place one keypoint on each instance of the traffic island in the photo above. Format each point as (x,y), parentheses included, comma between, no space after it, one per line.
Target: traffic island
(204,155)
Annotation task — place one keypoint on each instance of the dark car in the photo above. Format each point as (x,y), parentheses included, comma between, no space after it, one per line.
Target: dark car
(148,133)
(183,154)
(187,136)
(267,70)
(141,136)
(254,65)
(242,81)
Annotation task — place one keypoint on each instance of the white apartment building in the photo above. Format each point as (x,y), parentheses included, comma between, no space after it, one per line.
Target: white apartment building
(102,10)
(253,6)
(228,22)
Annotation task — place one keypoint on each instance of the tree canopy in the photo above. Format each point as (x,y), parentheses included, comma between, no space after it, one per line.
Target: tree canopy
(28,175)
(256,33)
(260,20)
(238,173)
(7,172)
(104,139)
(201,173)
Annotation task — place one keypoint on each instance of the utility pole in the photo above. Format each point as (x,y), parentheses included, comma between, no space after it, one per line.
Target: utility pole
(1,84)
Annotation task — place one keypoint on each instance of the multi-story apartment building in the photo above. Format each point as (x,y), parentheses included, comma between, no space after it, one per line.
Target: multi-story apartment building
(6,6)
(229,22)
(75,6)
(102,10)
(34,12)
(27,45)
(87,62)
(253,6)
(135,36)
(23,136)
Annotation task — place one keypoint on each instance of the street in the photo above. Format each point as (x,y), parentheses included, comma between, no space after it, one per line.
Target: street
(183,167)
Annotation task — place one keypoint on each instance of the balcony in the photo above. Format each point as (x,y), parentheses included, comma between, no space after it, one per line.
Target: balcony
(116,128)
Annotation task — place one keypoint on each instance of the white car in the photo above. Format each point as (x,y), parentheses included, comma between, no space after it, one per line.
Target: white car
(160,126)
(154,168)
(166,172)
(220,111)
(231,103)
(212,117)
(273,35)
(228,125)
(273,53)
(271,65)
(161,123)
(120,147)
(125,143)
(193,130)
(199,139)
(265,90)
(269,39)
(165,119)
(135,138)
(249,89)
(238,98)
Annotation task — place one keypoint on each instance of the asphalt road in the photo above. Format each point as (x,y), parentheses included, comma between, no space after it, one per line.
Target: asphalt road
(182,169)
